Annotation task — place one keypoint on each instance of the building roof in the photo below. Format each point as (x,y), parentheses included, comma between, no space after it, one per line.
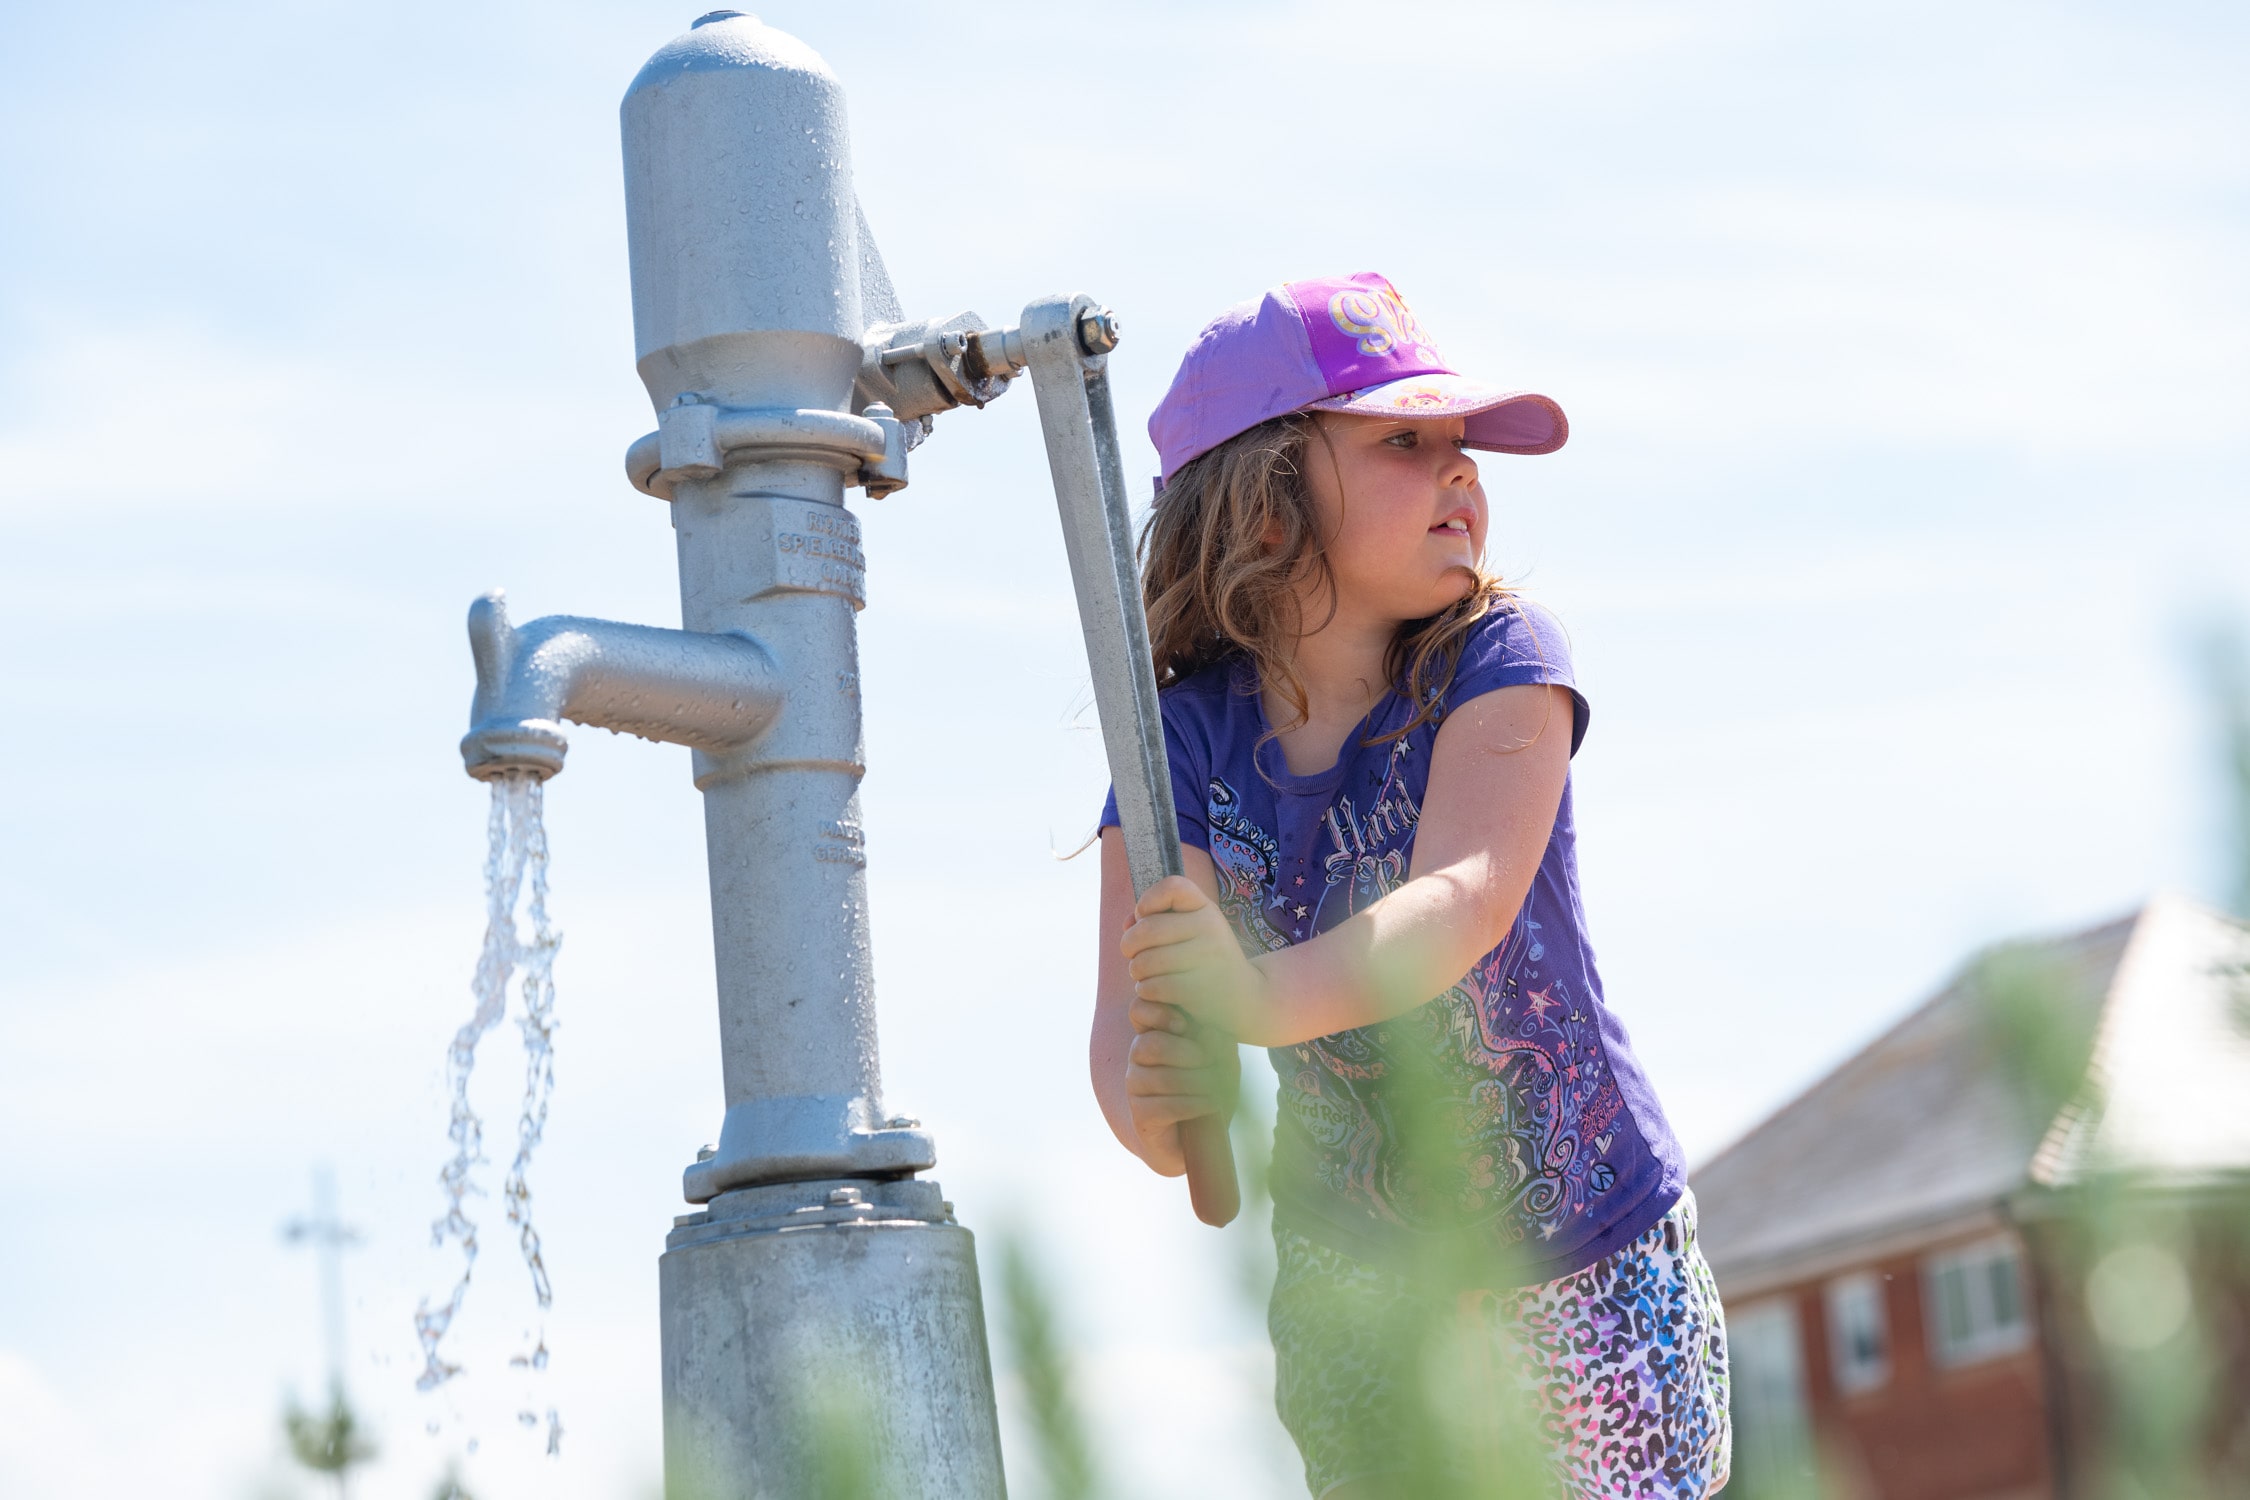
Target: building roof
(2126,1046)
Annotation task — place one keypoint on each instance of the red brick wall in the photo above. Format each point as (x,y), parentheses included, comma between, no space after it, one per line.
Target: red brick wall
(1973,1432)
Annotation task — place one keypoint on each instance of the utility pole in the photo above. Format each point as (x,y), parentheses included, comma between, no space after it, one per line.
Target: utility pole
(329,1441)
(331,1237)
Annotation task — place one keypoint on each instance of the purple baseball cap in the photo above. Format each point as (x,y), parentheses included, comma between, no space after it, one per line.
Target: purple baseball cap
(1334,343)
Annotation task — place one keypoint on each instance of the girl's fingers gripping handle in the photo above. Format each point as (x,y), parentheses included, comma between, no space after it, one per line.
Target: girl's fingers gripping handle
(1213,1187)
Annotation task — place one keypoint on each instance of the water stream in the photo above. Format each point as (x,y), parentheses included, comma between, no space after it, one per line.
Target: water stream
(515,876)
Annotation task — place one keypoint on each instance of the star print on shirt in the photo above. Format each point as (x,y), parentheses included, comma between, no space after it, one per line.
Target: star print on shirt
(1301,913)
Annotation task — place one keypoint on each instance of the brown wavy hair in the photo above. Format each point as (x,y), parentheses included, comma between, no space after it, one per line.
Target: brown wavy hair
(1221,555)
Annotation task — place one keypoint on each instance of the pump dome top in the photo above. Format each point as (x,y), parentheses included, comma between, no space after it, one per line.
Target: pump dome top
(731,39)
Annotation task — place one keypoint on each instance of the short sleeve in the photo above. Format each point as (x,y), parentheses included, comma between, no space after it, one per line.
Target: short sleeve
(1517,644)
(1184,738)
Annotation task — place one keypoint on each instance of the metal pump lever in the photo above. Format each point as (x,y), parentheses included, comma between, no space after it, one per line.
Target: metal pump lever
(1066,342)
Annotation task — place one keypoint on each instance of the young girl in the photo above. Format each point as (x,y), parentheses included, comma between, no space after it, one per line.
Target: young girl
(1370,742)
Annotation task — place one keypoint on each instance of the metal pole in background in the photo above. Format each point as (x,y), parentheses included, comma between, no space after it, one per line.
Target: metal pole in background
(1067,342)
(331,1237)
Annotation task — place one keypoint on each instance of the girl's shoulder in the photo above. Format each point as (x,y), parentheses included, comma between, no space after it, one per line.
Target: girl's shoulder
(1199,704)
(1517,642)
(1517,635)
(1205,690)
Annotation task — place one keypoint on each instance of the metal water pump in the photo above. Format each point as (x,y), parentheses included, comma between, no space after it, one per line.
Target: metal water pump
(822,1273)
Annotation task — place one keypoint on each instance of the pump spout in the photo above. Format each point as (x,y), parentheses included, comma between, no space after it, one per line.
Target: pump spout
(716,693)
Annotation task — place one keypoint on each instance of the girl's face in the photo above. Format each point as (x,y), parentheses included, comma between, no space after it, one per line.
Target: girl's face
(1400,513)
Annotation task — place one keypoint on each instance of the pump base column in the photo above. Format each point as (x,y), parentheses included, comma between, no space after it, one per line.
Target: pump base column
(815,1333)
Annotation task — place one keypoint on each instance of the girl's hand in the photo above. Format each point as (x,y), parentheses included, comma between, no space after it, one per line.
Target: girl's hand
(1181,952)
(1176,1071)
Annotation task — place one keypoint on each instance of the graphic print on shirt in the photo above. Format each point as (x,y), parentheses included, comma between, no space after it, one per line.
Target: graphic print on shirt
(1493,1105)
(1249,863)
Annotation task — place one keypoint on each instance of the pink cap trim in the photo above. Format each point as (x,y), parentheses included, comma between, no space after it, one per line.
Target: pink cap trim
(1499,421)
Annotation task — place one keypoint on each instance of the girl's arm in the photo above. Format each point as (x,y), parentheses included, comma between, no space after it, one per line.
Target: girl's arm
(1496,780)
(1147,1082)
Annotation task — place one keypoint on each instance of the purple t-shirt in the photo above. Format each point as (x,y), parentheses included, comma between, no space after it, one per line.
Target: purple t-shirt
(1555,1151)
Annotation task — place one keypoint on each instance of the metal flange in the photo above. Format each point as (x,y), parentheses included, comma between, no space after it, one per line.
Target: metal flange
(695,438)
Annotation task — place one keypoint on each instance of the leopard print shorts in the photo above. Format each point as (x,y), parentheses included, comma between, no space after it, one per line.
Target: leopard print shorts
(1607,1384)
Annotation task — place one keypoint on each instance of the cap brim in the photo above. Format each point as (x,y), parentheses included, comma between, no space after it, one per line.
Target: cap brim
(1496,420)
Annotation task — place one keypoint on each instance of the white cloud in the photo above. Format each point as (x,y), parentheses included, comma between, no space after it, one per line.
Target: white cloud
(48,1450)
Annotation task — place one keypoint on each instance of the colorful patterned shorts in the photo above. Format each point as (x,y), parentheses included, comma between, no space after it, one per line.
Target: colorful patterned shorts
(1609,1384)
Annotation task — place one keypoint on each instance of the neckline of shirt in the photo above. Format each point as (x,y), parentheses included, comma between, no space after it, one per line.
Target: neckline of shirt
(1267,754)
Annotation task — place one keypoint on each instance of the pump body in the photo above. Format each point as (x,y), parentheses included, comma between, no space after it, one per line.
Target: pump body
(822,1295)
(821,1312)
(822,1323)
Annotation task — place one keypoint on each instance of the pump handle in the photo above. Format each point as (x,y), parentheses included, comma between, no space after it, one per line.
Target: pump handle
(1066,342)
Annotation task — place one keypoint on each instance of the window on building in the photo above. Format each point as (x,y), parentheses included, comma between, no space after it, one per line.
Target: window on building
(1773,1452)
(1976,1302)
(1859,1333)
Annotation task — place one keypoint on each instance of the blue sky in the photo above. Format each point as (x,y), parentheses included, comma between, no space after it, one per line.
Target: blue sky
(1905,351)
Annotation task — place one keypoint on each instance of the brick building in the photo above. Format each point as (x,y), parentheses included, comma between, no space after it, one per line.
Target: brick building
(1938,1260)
